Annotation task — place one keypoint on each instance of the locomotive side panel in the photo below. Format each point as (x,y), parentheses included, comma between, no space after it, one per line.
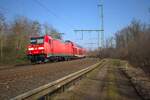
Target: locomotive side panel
(69,49)
(58,48)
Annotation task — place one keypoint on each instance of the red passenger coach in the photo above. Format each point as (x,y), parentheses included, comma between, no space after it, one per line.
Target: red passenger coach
(46,48)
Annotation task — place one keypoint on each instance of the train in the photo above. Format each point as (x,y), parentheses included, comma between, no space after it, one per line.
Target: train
(45,48)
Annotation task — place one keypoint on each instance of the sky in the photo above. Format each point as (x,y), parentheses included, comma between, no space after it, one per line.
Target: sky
(68,15)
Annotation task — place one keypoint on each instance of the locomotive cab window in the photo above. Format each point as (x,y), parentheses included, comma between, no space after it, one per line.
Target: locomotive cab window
(39,40)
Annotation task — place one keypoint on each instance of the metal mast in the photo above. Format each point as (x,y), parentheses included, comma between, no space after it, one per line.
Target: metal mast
(100,37)
(102,25)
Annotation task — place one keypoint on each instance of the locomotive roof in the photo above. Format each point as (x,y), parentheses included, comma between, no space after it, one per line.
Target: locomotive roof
(74,43)
(66,41)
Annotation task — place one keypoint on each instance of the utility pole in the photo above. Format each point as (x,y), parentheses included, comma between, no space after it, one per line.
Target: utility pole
(100,38)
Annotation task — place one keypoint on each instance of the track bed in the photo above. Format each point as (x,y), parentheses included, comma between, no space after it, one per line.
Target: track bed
(15,81)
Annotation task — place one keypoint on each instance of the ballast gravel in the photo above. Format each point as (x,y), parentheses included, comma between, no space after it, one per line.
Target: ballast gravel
(15,81)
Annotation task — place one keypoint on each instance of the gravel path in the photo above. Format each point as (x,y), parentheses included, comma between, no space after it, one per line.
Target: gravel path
(15,81)
(105,83)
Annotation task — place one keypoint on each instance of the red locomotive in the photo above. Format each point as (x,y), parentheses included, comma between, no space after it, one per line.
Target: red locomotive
(46,48)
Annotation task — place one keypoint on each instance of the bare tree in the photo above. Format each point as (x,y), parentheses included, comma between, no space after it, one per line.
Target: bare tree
(36,28)
(131,43)
(2,29)
(52,31)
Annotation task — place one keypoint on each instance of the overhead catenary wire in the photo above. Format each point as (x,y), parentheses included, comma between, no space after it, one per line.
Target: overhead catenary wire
(50,12)
(4,11)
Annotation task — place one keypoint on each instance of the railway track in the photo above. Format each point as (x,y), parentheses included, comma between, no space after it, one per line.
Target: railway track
(25,65)
(15,66)
(46,91)
(18,80)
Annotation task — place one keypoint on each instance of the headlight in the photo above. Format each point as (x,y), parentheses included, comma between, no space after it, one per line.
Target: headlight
(40,48)
(30,48)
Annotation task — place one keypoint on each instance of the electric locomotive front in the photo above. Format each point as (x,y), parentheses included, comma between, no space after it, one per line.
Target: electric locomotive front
(36,50)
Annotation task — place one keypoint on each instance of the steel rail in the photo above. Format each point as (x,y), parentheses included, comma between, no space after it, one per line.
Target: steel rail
(46,91)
